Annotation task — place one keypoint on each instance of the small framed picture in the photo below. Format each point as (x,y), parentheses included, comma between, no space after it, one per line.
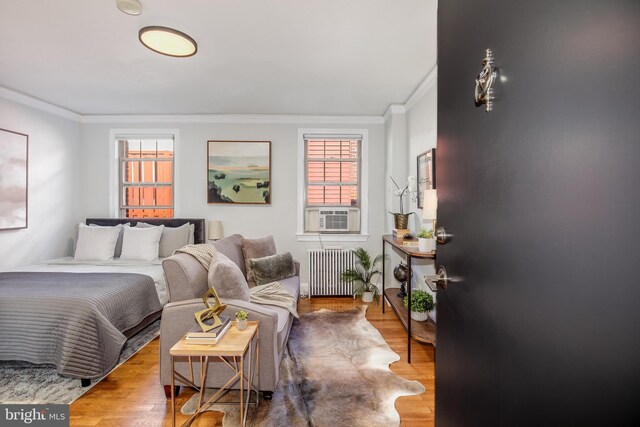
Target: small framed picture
(426,173)
(239,172)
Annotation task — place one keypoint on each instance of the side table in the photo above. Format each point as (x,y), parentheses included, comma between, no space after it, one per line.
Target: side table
(420,331)
(232,349)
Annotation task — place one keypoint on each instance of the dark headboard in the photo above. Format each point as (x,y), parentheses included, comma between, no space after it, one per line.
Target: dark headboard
(198,232)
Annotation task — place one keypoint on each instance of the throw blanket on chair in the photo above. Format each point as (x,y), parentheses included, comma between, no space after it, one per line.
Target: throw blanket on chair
(274,294)
(203,253)
(269,294)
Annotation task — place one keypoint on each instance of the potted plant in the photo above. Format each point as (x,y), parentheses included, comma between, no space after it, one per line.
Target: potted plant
(421,304)
(241,319)
(400,219)
(426,243)
(362,275)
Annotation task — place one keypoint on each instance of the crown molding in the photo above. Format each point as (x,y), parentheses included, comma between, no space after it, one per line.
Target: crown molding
(233,118)
(38,104)
(394,109)
(187,118)
(427,83)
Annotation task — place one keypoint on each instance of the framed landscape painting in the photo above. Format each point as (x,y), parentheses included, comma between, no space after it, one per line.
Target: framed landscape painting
(426,173)
(14,149)
(239,172)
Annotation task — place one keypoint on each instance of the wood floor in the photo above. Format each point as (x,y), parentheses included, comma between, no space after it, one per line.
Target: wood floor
(132,395)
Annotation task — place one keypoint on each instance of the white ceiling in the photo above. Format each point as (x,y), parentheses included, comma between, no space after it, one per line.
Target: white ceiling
(335,57)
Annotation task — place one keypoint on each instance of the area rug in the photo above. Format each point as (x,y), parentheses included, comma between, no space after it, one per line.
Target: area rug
(23,382)
(335,373)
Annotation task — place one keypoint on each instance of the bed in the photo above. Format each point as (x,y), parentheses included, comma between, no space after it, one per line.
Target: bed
(77,315)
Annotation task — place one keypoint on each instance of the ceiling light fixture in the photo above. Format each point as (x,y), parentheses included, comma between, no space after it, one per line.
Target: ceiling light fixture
(130,7)
(168,41)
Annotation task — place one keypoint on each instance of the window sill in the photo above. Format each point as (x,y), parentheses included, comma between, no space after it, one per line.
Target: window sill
(315,237)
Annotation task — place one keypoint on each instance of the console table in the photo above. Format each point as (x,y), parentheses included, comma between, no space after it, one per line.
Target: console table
(420,331)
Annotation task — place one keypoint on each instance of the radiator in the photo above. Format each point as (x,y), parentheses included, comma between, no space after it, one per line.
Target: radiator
(325,266)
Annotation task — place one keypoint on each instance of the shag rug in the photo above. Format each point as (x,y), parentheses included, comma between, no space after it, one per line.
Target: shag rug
(23,382)
(335,373)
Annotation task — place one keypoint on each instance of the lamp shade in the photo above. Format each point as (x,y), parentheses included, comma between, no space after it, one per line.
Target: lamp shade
(430,204)
(215,230)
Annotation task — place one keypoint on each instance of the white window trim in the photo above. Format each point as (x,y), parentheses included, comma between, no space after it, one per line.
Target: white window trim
(363,236)
(114,164)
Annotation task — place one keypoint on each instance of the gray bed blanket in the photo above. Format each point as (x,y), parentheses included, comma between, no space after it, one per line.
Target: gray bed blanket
(72,320)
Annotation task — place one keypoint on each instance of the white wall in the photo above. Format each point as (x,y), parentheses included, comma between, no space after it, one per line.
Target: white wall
(55,185)
(411,129)
(278,219)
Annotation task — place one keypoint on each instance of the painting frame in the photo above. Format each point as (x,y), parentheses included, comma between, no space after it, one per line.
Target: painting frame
(236,165)
(14,170)
(426,174)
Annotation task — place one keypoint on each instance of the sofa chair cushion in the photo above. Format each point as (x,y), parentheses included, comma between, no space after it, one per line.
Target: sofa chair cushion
(231,246)
(226,278)
(272,268)
(256,248)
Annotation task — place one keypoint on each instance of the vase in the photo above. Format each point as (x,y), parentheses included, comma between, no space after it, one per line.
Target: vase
(420,316)
(426,245)
(401,221)
(367,297)
(241,324)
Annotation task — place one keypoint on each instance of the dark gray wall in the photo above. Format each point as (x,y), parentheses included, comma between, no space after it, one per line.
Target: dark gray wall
(542,195)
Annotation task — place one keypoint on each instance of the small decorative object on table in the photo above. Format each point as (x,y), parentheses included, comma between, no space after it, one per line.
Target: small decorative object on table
(211,312)
(362,275)
(241,319)
(421,304)
(426,243)
(401,274)
(401,219)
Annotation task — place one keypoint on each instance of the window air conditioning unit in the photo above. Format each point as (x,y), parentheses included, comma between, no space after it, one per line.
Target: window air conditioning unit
(332,219)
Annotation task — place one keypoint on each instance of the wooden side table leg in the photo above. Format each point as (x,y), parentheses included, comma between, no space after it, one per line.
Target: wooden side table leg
(173,394)
(203,379)
(242,419)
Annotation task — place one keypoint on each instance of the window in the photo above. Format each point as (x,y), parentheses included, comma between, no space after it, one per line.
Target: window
(332,185)
(146,173)
(332,166)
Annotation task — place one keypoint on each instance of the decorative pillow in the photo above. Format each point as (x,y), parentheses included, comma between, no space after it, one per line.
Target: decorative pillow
(227,279)
(172,237)
(231,246)
(96,243)
(256,248)
(141,243)
(272,268)
(119,242)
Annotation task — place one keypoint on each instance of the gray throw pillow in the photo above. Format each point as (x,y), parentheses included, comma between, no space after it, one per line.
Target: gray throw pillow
(272,268)
(227,279)
(173,238)
(231,246)
(256,248)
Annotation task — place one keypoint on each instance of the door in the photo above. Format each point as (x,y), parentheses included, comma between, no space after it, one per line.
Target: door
(541,323)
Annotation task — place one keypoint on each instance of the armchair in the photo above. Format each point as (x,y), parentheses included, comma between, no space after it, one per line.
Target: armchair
(187,281)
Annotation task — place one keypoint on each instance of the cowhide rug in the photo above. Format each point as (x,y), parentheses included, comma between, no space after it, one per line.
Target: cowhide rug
(336,373)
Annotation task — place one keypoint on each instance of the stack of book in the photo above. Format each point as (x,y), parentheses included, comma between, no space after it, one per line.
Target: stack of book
(400,232)
(209,337)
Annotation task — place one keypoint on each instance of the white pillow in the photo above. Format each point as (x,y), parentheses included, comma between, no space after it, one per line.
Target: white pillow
(141,243)
(172,237)
(96,243)
(119,242)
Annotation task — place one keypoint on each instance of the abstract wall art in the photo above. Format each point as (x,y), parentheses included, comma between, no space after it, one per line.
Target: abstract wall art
(239,172)
(14,149)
